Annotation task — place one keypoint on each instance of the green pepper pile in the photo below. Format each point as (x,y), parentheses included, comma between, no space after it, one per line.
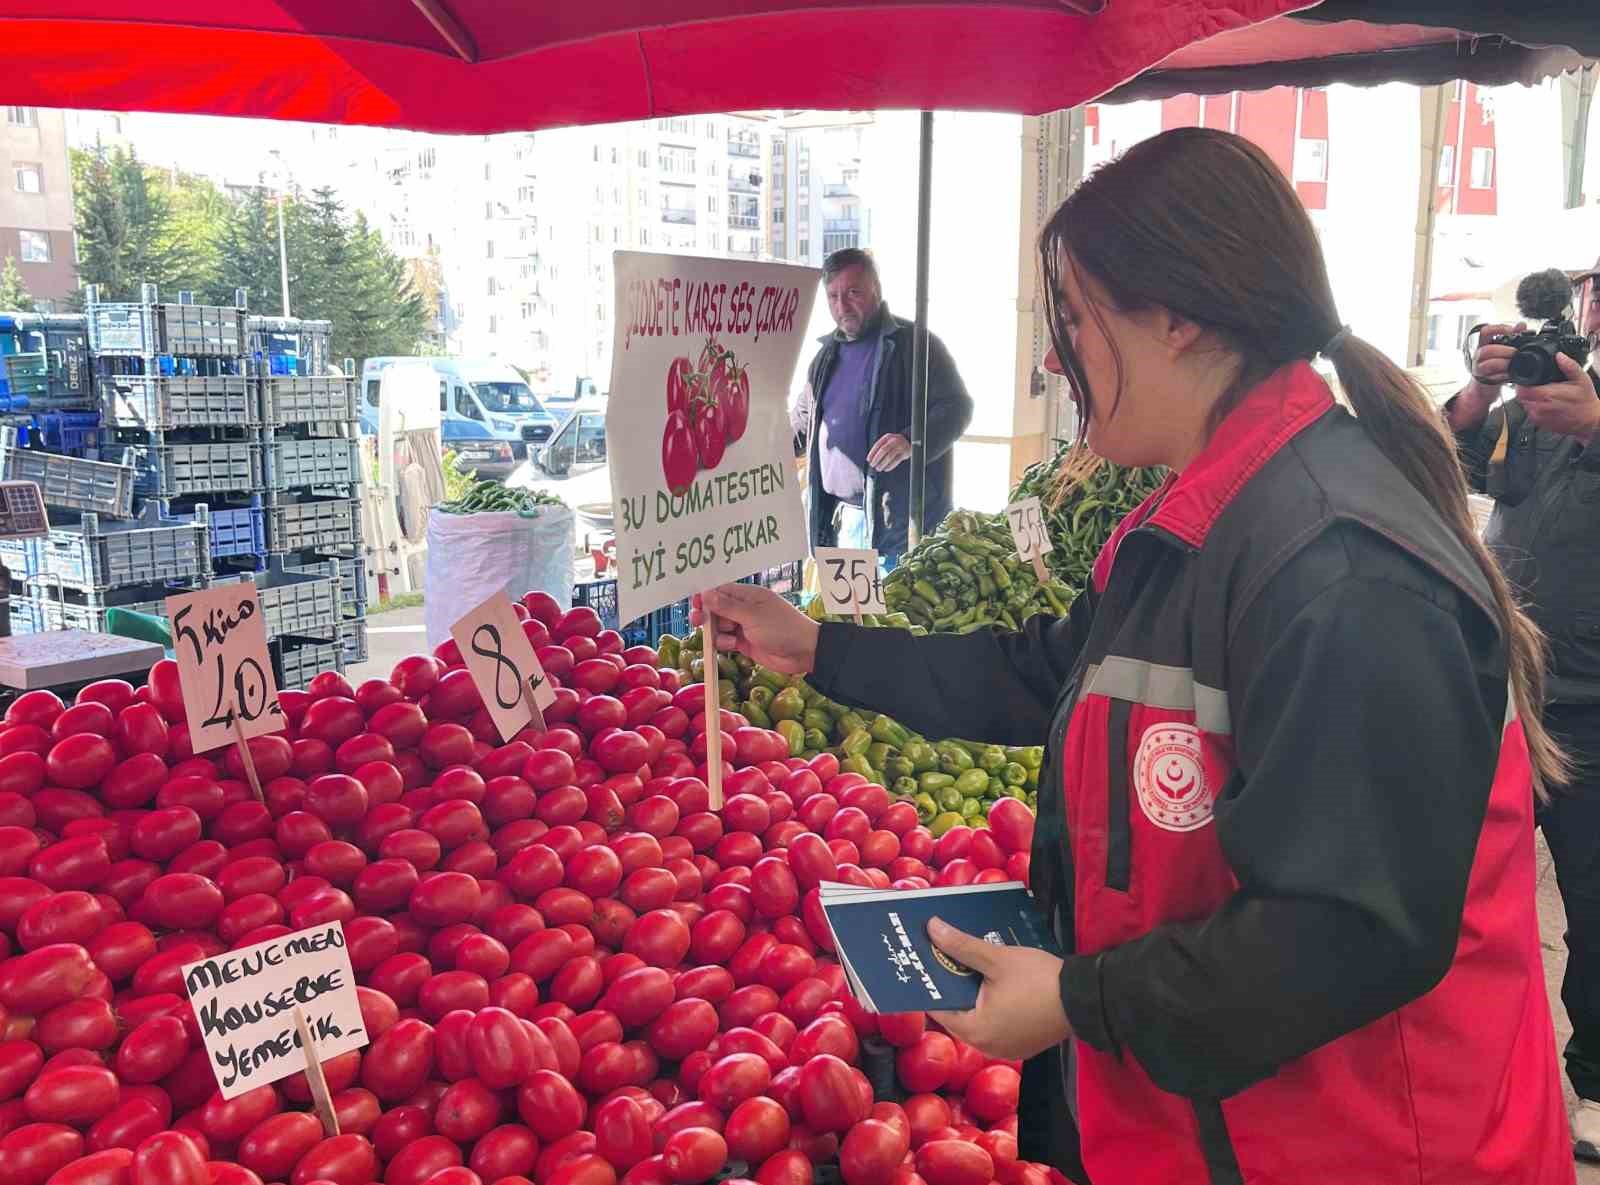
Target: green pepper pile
(967,575)
(485,497)
(1080,521)
(950,781)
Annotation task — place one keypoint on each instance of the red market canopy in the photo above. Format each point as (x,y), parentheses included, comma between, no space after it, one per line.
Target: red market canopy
(482,66)
(1424,42)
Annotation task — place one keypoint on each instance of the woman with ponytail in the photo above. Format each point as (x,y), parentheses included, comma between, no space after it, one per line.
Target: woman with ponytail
(1293,735)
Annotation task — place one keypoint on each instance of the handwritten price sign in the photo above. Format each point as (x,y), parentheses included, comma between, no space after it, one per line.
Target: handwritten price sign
(245,1003)
(503,665)
(1027,528)
(220,642)
(849,579)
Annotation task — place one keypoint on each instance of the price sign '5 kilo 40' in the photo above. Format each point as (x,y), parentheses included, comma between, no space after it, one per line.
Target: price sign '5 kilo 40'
(850,580)
(220,643)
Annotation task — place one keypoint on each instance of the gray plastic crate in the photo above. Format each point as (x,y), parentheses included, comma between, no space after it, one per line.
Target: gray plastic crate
(95,556)
(38,615)
(352,581)
(159,404)
(69,482)
(147,329)
(353,637)
(312,464)
(306,526)
(178,470)
(299,604)
(298,665)
(322,401)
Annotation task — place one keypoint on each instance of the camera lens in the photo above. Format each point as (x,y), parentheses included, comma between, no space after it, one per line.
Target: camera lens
(1534,365)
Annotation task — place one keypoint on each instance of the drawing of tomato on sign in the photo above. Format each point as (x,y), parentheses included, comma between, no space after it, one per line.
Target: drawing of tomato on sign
(708,409)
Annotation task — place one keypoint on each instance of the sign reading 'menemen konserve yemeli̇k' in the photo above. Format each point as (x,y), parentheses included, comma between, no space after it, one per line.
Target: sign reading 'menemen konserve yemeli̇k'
(697,427)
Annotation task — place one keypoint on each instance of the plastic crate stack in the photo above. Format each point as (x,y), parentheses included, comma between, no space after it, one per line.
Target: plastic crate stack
(311,481)
(47,391)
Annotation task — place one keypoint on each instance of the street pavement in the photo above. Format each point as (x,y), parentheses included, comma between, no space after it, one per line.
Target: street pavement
(391,636)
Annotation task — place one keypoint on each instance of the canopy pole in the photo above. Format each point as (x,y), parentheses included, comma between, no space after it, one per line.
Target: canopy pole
(919,341)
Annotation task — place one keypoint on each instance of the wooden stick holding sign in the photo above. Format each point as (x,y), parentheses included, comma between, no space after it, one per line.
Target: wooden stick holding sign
(850,581)
(503,666)
(246,757)
(229,694)
(713,710)
(1029,534)
(321,1099)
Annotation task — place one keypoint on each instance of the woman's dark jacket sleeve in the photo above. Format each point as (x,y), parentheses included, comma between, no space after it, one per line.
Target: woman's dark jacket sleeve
(994,685)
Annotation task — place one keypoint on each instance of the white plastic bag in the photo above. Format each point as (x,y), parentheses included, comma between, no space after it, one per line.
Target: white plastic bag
(471,556)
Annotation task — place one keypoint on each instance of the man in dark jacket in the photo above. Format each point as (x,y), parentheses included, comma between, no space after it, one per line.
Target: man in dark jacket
(1537,456)
(853,420)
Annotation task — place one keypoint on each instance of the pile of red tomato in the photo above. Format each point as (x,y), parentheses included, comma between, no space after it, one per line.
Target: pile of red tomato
(572,971)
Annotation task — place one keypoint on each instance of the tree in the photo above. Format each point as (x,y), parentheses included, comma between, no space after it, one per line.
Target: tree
(102,226)
(13,292)
(386,315)
(247,254)
(148,250)
(199,212)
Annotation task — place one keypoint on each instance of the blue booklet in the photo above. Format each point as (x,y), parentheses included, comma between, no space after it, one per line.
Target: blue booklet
(881,939)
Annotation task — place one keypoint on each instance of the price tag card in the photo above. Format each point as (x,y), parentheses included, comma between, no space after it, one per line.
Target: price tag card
(849,580)
(503,665)
(220,642)
(1027,529)
(245,1001)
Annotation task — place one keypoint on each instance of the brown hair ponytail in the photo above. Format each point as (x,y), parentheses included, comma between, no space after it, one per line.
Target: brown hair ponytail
(1203,223)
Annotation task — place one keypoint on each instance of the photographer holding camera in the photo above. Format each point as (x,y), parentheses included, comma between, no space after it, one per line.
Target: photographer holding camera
(1537,455)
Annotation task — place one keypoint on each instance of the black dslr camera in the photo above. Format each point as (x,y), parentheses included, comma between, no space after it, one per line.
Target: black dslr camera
(1544,296)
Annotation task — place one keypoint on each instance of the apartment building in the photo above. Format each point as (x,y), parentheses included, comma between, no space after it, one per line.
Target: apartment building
(36,218)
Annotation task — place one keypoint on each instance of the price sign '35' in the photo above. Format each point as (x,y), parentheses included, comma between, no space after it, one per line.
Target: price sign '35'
(503,666)
(220,642)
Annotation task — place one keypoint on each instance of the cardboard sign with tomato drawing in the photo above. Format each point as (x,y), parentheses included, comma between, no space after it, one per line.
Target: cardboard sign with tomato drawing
(697,429)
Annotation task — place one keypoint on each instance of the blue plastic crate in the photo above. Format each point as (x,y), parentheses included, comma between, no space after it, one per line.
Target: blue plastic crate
(68,432)
(239,531)
(601,596)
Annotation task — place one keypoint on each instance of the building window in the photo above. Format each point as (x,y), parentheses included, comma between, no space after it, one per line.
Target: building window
(494,323)
(489,249)
(644,158)
(644,237)
(426,159)
(488,209)
(22,117)
(805,248)
(616,234)
(1311,160)
(716,240)
(1447,165)
(711,203)
(486,170)
(493,287)
(1483,168)
(672,159)
(597,154)
(613,156)
(711,130)
(524,193)
(35,246)
(30,179)
(527,310)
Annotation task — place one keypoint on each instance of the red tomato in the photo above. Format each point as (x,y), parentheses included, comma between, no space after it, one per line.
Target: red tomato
(694,1154)
(926,1065)
(622,1132)
(871,1152)
(684,1026)
(829,1097)
(789,1167)
(550,1105)
(660,938)
(954,1162)
(170,1158)
(73,1094)
(757,1129)
(733,1079)
(398,1063)
(501,1050)
(418,1161)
